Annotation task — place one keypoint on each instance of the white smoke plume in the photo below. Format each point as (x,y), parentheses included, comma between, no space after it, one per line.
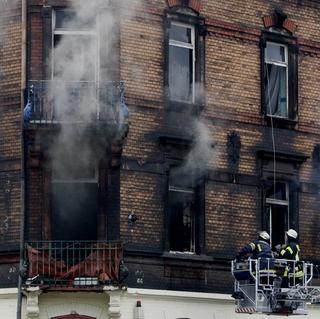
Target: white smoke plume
(202,154)
(84,66)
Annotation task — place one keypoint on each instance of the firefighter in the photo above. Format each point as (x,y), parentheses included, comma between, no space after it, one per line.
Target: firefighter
(291,252)
(258,249)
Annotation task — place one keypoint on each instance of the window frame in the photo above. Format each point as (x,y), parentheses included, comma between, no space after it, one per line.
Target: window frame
(282,64)
(185,190)
(80,32)
(191,46)
(281,38)
(271,202)
(199,212)
(181,15)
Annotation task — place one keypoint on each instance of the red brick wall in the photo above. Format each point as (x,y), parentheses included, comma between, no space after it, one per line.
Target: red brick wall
(232,73)
(233,212)
(10,123)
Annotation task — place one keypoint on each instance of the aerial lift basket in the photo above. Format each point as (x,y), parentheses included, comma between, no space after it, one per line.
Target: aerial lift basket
(271,286)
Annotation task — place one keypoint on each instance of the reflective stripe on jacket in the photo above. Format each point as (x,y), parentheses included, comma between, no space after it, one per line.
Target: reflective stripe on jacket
(292,252)
(258,249)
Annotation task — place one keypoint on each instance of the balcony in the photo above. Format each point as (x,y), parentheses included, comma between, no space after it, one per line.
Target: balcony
(50,102)
(74,265)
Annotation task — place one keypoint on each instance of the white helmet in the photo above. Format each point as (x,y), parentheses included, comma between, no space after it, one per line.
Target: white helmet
(292,233)
(264,235)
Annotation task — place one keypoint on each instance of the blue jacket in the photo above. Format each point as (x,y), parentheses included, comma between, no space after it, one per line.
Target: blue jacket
(258,249)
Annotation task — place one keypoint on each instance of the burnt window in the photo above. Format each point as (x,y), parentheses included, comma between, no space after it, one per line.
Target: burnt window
(185,213)
(277,203)
(181,66)
(279,66)
(74,198)
(181,219)
(74,47)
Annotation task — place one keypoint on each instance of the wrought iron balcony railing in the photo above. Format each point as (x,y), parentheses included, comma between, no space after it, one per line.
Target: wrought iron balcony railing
(72,102)
(73,264)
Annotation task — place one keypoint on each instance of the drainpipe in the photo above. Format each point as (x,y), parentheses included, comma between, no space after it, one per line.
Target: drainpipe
(23,87)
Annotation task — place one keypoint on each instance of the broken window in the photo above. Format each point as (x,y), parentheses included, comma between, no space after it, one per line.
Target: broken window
(181,62)
(74,198)
(181,214)
(277,202)
(276,79)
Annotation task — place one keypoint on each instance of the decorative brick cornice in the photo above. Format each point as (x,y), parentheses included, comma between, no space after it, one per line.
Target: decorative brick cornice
(280,20)
(195,5)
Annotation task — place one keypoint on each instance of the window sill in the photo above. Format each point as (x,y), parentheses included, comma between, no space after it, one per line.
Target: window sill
(280,122)
(186,256)
(178,106)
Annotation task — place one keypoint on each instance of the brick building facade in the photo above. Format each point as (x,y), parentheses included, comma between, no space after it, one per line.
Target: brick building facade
(222,141)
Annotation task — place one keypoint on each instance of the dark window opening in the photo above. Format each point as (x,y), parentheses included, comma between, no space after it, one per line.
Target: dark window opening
(74,211)
(74,195)
(277,201)
(181,220)
(277,191)
(278,224)
(181,212)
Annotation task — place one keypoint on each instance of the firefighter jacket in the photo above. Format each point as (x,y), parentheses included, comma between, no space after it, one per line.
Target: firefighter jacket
(292,252)
(258,249)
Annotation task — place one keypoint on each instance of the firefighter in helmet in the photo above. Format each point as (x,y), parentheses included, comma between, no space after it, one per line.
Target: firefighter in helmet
(257,249)
(291,252)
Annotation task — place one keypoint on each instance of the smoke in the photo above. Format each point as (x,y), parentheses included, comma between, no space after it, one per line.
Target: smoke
(85,71)
(202,154)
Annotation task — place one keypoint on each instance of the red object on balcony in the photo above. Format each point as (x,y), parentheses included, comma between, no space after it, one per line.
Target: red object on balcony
(74,263)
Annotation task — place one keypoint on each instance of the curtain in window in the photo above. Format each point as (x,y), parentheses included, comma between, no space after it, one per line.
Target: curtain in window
(276,90)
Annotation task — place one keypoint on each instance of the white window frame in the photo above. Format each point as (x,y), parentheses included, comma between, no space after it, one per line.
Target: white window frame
(187,46)
(93,33)
(283,64)
(278,202)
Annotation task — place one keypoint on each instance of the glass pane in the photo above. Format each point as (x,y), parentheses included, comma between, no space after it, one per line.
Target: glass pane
(67,19)
(180,73)
(275,80)
(64,18)
(181,221)
(279,193)
(275,52)
(180,33)
(71,51)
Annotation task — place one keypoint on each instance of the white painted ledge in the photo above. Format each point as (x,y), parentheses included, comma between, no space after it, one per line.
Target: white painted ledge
(8,291)
(179,294)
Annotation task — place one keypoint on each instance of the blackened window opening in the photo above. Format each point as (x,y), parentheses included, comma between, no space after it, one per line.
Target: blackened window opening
(74,211)
(74,197)
(181,220)
(181,213)
(277,201)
